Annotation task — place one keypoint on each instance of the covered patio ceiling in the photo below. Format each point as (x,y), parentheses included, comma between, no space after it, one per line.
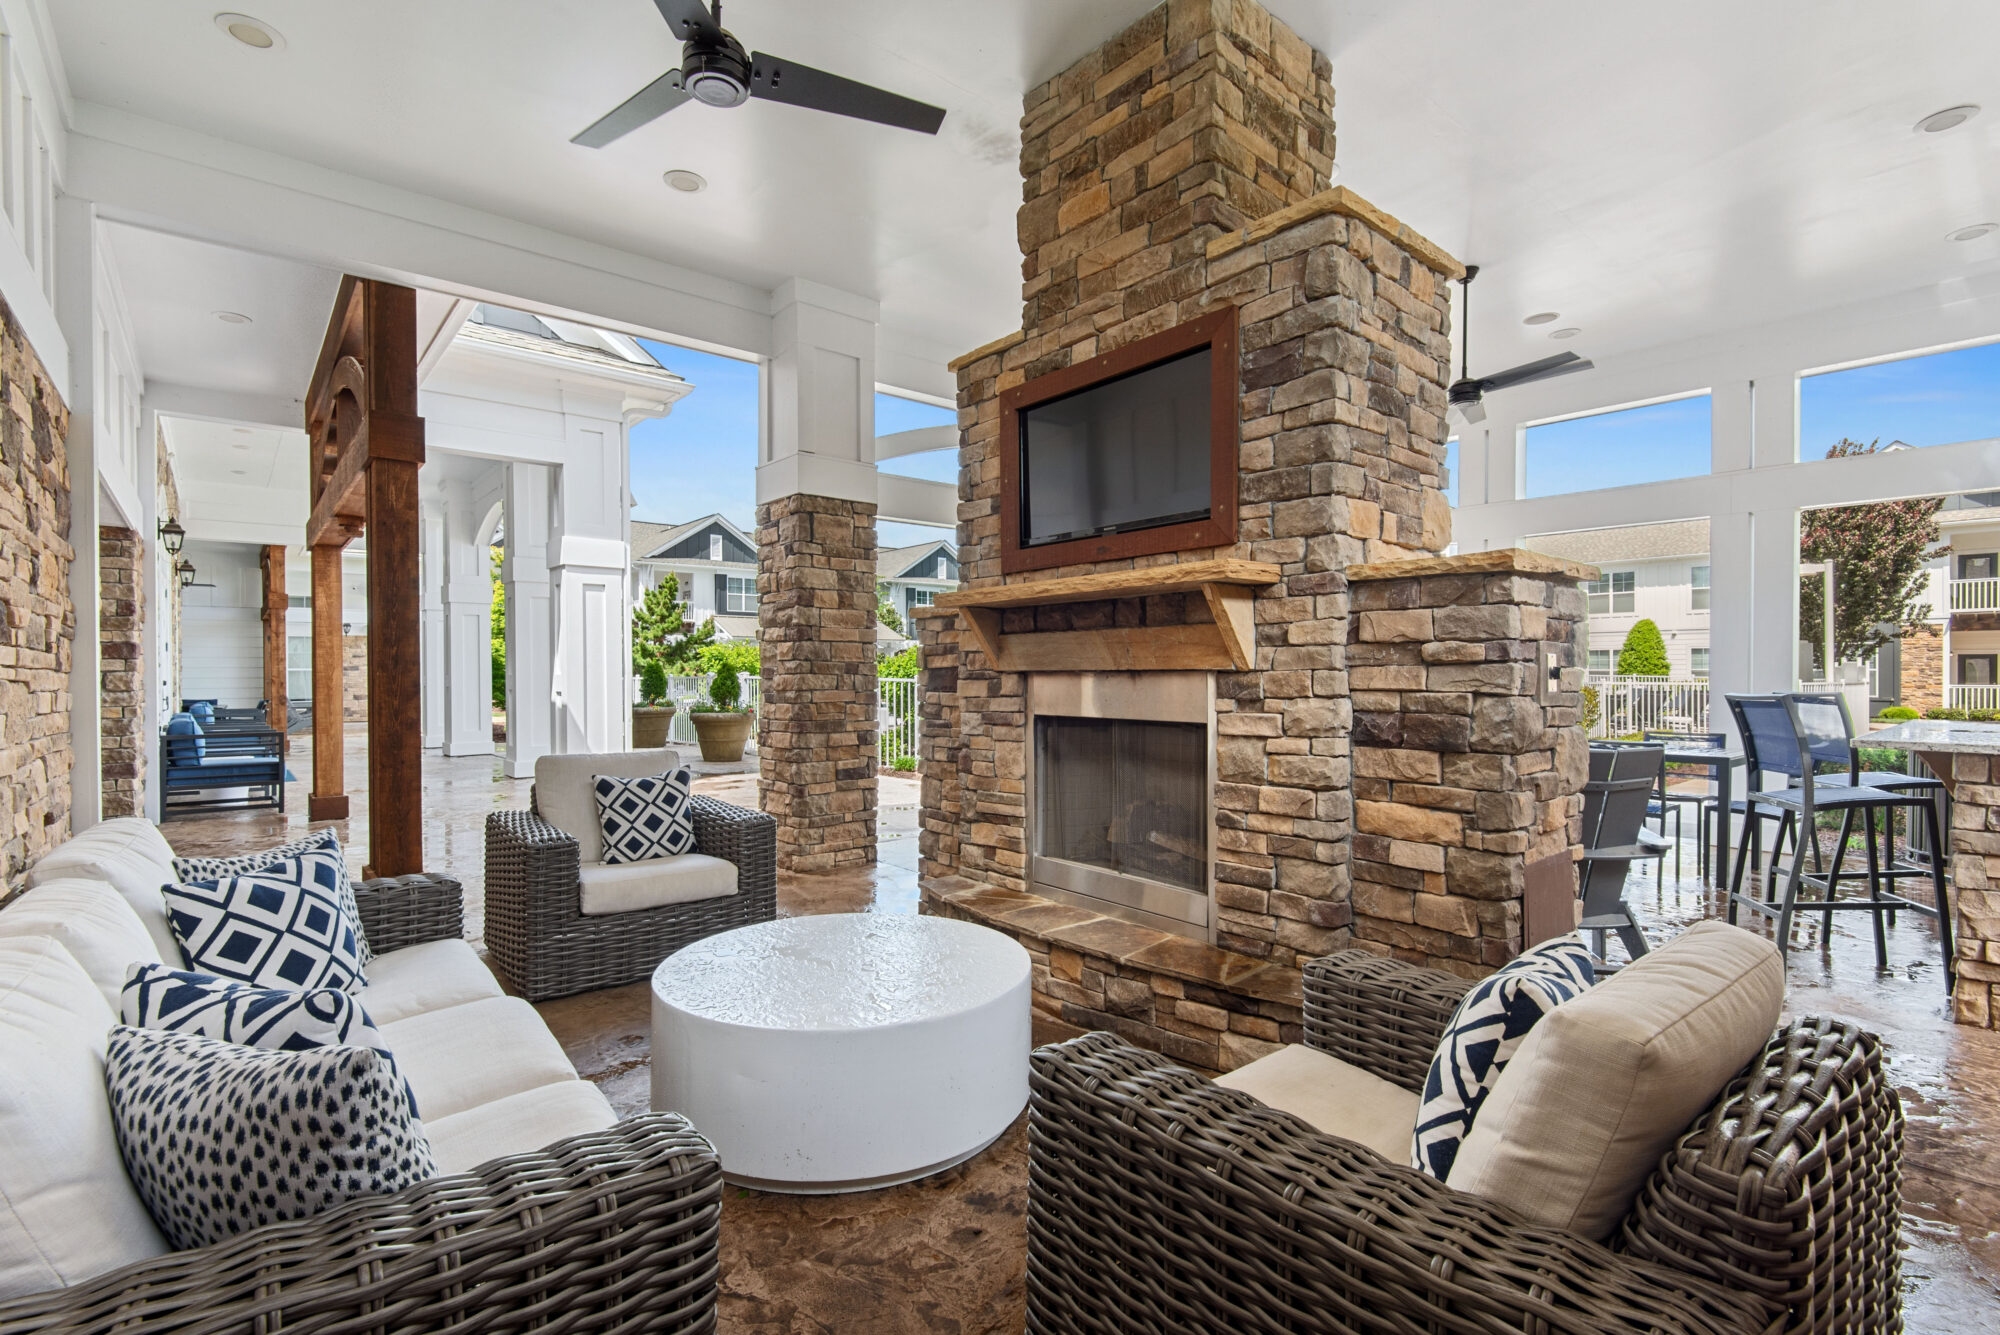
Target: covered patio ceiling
(1651,174)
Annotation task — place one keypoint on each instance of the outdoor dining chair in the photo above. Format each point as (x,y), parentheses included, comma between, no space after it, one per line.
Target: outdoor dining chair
(1614,813)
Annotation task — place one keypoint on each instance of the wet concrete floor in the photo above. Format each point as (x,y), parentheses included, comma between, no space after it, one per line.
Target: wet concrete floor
(948,1254)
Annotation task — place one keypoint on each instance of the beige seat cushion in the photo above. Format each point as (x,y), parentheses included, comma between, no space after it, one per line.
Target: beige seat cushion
(517,1124)
(427,977)
(67,1210)
(621,887)
(463,1056)
(564,796)
(1605,1082)
(96,926)
(129,855)
(1333,1097)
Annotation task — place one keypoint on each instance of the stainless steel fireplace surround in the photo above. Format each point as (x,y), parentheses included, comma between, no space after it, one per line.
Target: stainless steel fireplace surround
(1120,795)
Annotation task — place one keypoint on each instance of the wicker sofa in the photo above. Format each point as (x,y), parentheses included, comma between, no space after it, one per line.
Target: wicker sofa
(1775,1211)
(552,1212)
(543,930)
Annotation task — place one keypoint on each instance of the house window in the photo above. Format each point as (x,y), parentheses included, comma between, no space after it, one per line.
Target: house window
(715,546)
(922,597)
(1977,669)
(1698,588)
(1612,592)
(1982,566)
(1698,662)
(1600,660)
(944,567)
(740,595)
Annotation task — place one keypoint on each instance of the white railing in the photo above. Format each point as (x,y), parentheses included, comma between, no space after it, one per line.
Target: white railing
(1628,705)
(1973,697)
(1975,595)
(896,709)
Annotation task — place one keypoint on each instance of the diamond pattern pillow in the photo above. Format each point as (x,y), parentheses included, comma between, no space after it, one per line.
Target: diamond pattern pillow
(156,997)
(645,818)
(220,1139)
(284,926)
(1483,1033)
(319,841)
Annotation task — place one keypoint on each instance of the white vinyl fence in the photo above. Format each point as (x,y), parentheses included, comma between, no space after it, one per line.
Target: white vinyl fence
(1628,705)
(683,693)
(896,710)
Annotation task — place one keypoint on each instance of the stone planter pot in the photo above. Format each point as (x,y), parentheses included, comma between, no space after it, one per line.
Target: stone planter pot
(722,735)
(649,726)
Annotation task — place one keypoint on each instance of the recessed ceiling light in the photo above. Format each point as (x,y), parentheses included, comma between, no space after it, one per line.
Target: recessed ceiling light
(1542,317)
(251,32)
(1570,332)
(1948,119)
(240,472)
(1972,233)
(232,317)
(686,182)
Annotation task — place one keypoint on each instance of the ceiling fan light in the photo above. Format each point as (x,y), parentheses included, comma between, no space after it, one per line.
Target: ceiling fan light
(1473,411)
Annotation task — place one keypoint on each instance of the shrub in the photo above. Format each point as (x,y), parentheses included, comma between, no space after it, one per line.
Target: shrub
(1948,715)
(652,684)
(1644,653)
(743,655)
(1592,711)
(1897,713)
(1983,715)
(906,662)
(724,689)
(906,763)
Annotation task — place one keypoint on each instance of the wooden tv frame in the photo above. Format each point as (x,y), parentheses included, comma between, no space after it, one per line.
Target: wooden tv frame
(1217,332)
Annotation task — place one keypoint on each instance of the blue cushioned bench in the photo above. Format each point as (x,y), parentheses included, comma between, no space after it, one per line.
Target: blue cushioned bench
(197,763)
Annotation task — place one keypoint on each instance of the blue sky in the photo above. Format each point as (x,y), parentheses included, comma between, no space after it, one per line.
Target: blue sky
(1650,444)
(702,457)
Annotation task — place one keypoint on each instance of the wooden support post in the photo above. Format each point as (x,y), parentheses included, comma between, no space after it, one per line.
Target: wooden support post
(328,800)
(276,601)
(395,697)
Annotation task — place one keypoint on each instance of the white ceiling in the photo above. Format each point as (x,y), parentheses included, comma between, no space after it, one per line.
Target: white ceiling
(1652,172)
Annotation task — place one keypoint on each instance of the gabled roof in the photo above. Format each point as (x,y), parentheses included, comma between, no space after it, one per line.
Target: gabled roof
(658,537)
(892,563)
(1636,542)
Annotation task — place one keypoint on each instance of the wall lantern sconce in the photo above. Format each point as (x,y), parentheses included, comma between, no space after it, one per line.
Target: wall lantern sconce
(185,569)
(172,535)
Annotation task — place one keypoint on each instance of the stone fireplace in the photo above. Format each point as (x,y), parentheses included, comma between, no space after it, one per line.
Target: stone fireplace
(1365,784)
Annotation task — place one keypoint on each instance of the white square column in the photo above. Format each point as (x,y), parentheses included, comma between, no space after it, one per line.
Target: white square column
(433,578)
(468,629)
(524,572)
(589,590)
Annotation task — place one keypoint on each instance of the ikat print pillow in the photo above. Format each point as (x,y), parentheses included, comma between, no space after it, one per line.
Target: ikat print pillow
(157,997)
(645,818)
(220,1139)
(319,841)
(1483,1033)
(285,926)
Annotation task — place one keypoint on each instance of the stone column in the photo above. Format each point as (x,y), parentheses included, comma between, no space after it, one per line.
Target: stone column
(524,571)
(938,741)
(1468,762)
(816,725)
(1975,879)
(121,618)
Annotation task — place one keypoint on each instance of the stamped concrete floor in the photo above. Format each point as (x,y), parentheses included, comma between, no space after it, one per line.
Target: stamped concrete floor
(948,1254)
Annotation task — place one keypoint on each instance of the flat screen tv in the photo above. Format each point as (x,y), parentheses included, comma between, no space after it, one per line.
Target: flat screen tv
(1132,453)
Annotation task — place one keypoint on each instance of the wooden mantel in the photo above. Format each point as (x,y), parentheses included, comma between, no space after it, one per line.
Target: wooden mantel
(1227,644)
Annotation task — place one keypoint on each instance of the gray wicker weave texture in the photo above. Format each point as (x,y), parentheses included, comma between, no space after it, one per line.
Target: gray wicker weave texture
(1160,1202)
(399,911)
(539,937)
(615,1231)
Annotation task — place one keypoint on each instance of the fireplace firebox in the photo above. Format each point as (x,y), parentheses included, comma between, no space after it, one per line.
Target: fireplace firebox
(1120,794)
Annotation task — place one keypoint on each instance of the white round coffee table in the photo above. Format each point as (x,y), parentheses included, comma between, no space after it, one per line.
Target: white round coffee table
(844,1051)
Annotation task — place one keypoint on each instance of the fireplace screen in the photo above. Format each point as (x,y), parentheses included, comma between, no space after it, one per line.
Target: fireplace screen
(1130,797)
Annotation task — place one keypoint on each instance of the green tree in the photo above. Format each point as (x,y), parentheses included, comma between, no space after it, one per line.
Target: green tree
(660,630)
(499,633)
(1878,552)
(1644,653)
(885,607)
(906,662)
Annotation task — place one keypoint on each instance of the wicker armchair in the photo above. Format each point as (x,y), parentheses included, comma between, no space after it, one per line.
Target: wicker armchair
(539,937)
(1159,1201)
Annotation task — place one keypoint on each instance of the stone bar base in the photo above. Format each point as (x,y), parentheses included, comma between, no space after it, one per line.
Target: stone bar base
(1207,1008)
(1975,878)
(816,725)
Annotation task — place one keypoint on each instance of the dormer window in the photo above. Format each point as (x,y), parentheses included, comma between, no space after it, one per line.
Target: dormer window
(715,546)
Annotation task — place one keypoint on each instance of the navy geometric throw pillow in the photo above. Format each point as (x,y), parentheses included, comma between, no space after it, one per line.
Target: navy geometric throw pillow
(1483,1034)
(319,841)
(157,997)
(284,926)
(646,818)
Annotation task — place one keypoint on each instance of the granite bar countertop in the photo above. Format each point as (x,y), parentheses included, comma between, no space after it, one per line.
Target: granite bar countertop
(1941,735)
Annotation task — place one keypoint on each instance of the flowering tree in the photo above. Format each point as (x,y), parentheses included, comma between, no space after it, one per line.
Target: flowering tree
(1878,552)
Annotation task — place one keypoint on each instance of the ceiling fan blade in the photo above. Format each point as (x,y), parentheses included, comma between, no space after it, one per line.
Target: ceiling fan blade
(689,19)
(647,105)
(786,81)
(1560,364)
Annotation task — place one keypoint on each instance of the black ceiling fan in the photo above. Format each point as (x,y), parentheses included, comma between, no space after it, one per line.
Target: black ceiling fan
(714,70)
(1466,393)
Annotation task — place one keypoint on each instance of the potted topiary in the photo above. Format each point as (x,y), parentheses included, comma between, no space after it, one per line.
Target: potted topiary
(720,722)
(654,713)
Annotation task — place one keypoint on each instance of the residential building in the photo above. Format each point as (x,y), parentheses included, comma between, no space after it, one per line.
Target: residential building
(1656,572)
(916,575)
